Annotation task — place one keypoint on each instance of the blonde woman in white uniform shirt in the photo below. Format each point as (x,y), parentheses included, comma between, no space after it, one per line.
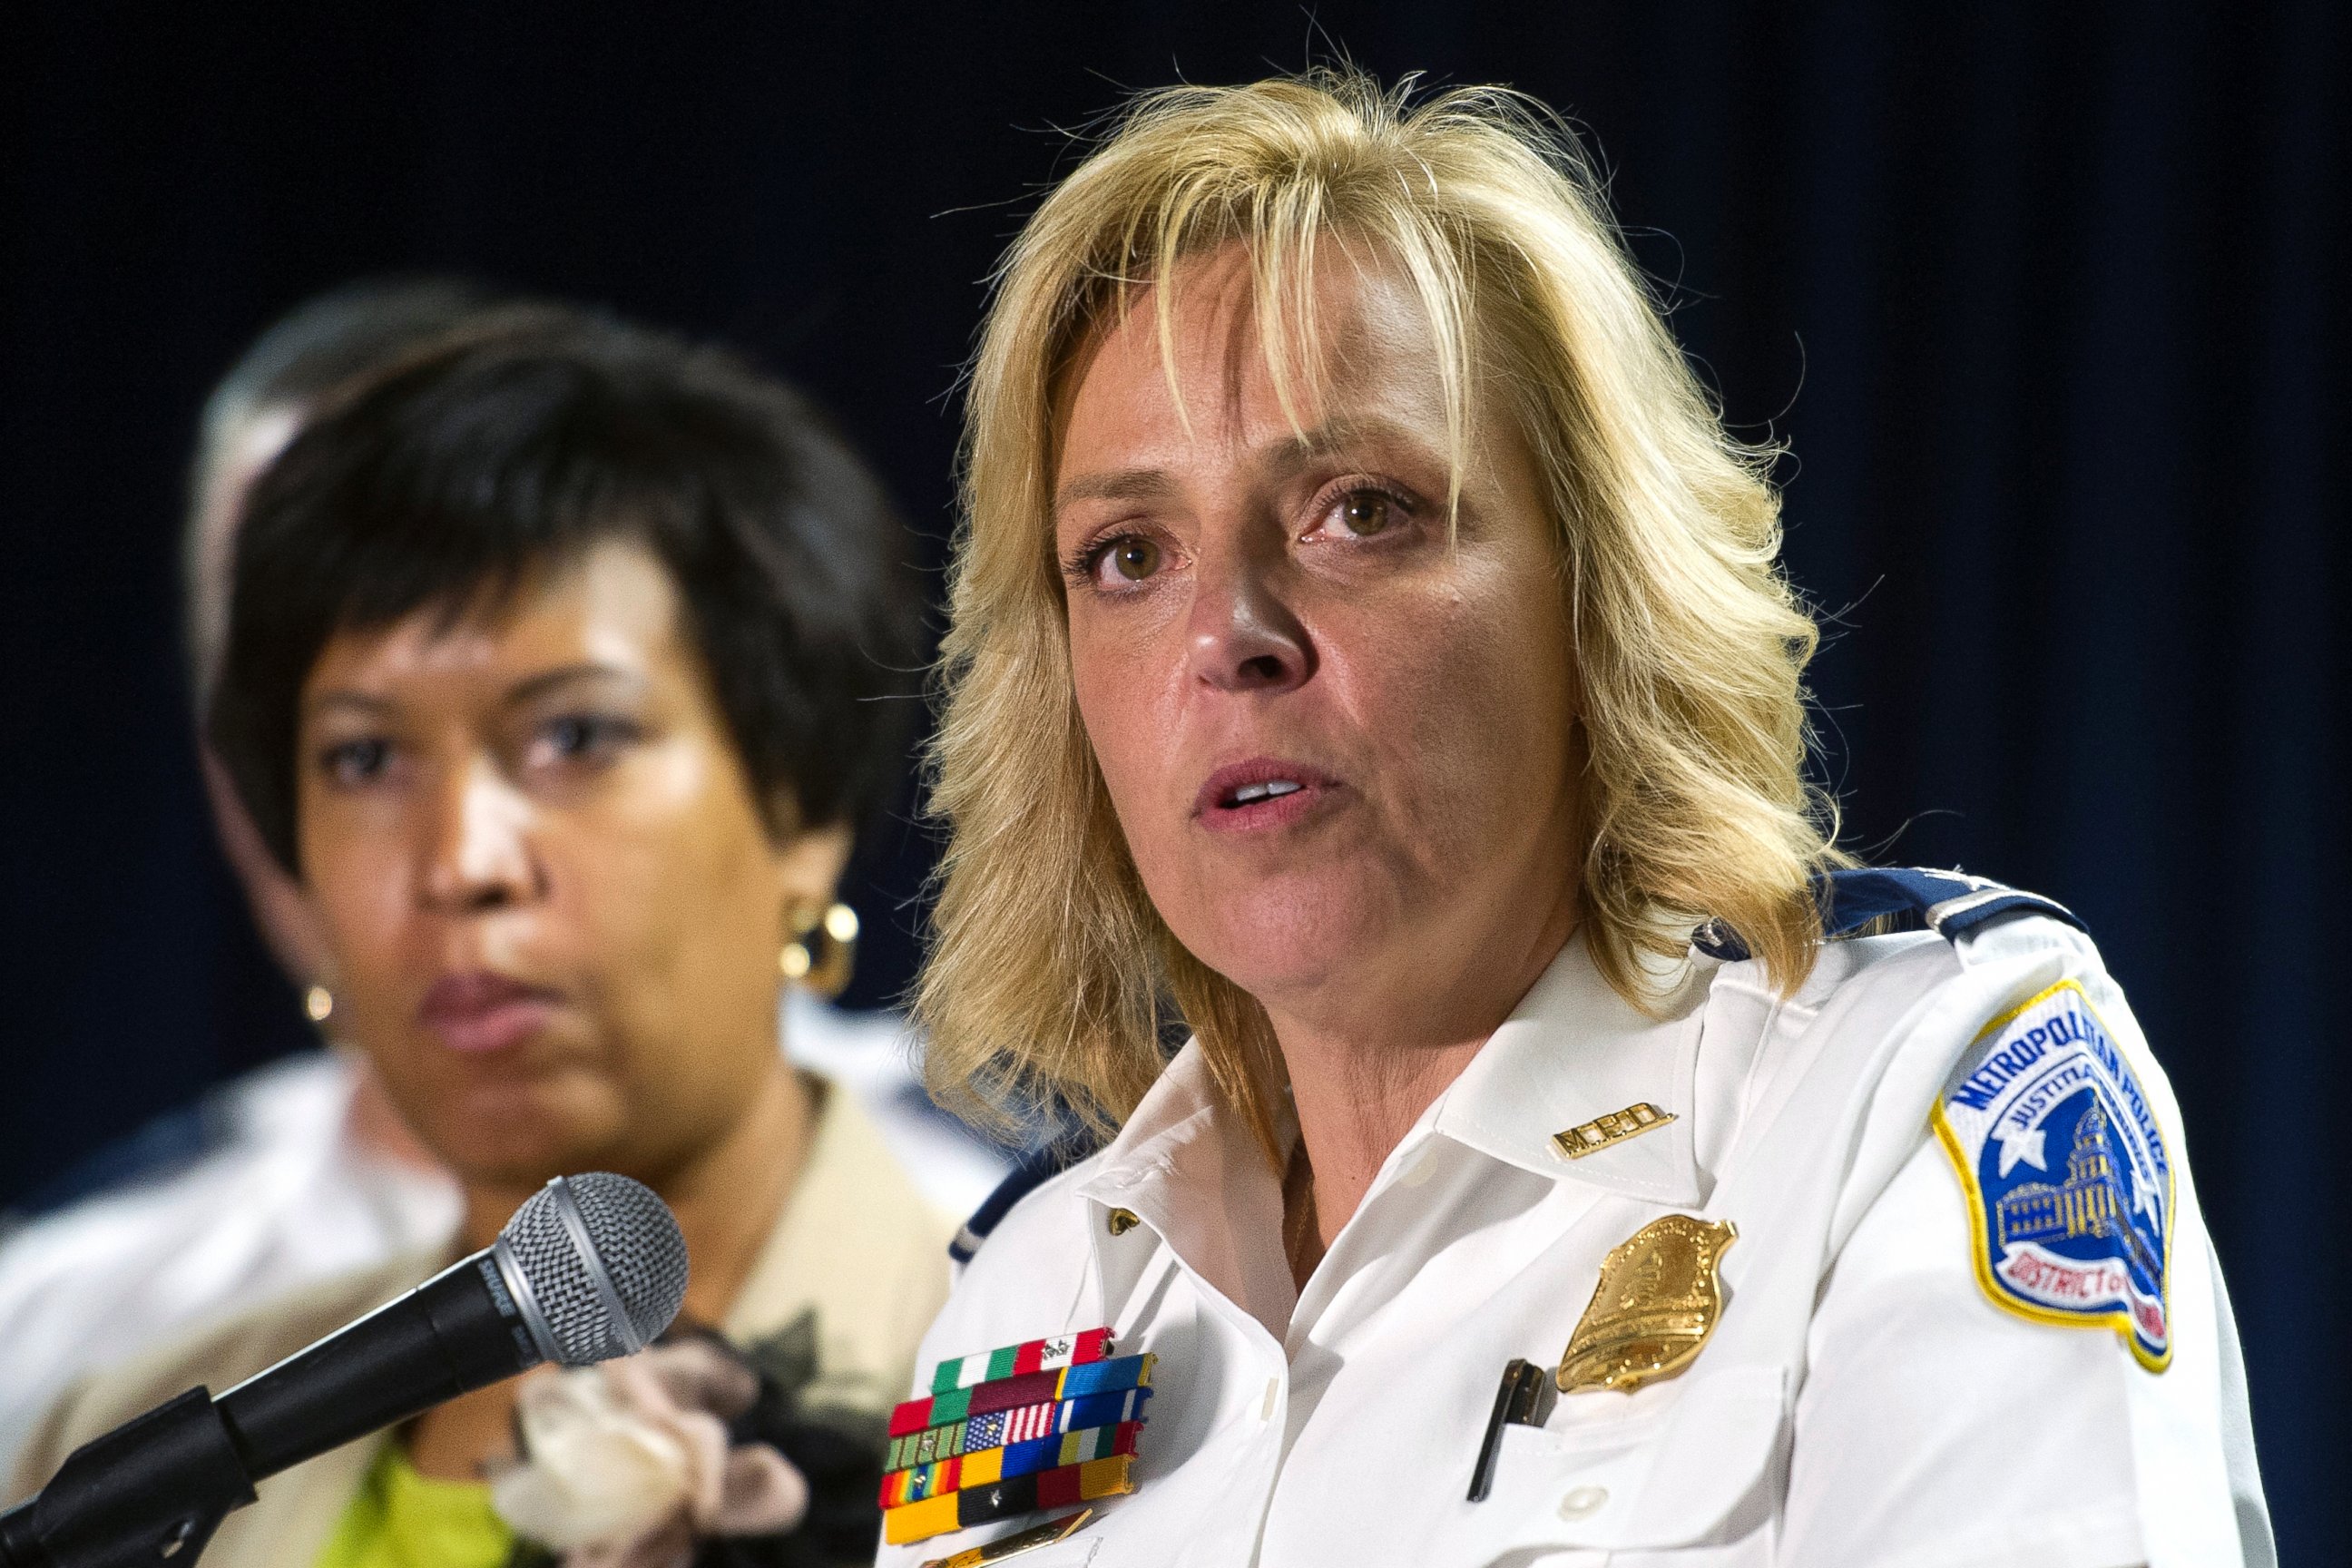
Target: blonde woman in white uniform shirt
(1369,649)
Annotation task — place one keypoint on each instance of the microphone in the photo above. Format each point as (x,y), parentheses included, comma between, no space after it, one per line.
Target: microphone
(590,1268)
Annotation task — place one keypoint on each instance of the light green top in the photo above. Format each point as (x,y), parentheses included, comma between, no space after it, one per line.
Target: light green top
(402,1518)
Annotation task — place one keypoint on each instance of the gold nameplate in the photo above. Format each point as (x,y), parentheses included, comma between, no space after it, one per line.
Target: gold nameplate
(1654,1307)
(1615,1128)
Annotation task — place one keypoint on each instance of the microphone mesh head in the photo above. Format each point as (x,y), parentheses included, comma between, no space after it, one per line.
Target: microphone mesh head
(637,1250)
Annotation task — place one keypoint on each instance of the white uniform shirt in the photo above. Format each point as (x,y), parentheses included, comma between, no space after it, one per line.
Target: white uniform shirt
(1863,1399)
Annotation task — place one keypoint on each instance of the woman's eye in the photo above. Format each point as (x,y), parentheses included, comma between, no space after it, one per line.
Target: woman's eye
(1134,558)
(583,737)
(356,762)
(1366,512)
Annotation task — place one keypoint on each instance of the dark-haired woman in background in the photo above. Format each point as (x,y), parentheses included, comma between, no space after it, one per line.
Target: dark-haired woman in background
(299,1170)
(560,672)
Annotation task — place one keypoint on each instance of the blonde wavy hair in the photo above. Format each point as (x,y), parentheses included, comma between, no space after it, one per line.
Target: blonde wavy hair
(1052,978)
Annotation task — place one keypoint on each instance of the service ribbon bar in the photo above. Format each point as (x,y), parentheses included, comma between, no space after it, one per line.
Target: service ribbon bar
(974,1505)
(1014,1360)
(982,1466)
(933,1444)
(1112,1376)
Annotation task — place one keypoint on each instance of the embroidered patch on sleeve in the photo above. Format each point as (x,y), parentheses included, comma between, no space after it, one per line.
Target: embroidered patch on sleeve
(2067,1175)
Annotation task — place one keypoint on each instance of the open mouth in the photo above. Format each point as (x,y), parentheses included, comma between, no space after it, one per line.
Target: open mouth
(1264,792)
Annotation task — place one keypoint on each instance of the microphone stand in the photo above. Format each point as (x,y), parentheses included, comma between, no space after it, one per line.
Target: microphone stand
(149,1492)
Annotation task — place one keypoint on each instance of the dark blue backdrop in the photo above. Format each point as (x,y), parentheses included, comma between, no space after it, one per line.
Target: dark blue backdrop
(2046,297)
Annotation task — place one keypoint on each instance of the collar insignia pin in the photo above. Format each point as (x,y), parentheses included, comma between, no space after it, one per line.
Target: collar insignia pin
(1657,1301)
(1615,1128)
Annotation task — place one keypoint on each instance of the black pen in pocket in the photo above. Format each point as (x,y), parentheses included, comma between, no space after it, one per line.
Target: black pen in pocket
(1524,1399)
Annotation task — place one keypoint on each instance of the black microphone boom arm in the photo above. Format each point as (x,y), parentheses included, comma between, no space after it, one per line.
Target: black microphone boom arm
(178,1468)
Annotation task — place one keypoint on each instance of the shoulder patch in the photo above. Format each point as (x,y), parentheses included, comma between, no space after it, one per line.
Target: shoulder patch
(1031,1171)
(1949,903)
(2068,1178)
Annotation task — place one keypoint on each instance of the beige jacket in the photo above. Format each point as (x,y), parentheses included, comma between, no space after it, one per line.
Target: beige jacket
(856,1246)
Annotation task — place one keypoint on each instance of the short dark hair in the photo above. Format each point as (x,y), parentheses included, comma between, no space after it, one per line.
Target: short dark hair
(455,476)
(320,353)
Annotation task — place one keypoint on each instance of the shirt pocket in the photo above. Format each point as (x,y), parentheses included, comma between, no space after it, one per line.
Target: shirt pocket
(1669,1477)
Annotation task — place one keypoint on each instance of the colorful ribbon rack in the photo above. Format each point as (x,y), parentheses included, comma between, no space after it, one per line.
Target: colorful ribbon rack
(982,1466)
(1037,1425)
(1018,1361)
(1013,1393)
(985,1505)
(997,1428)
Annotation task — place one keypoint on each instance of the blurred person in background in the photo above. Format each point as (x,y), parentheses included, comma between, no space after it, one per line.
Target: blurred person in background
(561,669)
(301,1170)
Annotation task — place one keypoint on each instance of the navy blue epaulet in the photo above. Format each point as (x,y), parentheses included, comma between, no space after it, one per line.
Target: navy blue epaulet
(1030,1172)
(1949,903)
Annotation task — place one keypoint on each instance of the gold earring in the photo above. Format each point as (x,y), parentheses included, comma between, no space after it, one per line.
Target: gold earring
(318,1003)
(822,966)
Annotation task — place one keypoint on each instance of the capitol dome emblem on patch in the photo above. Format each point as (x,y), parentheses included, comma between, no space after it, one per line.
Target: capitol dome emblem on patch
(2068,1180)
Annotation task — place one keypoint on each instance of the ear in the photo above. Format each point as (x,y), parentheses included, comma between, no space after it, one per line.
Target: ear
(808,866)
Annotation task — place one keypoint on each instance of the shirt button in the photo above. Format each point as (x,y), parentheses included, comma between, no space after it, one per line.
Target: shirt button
(1584,1502)
(1419,1171)
(1121,1221)
(1272,1397)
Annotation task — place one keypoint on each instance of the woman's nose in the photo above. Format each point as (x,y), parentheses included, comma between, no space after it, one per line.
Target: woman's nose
(1244,636)
(478,852)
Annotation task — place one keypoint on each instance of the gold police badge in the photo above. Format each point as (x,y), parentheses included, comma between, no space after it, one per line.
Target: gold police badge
(1654,1307)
